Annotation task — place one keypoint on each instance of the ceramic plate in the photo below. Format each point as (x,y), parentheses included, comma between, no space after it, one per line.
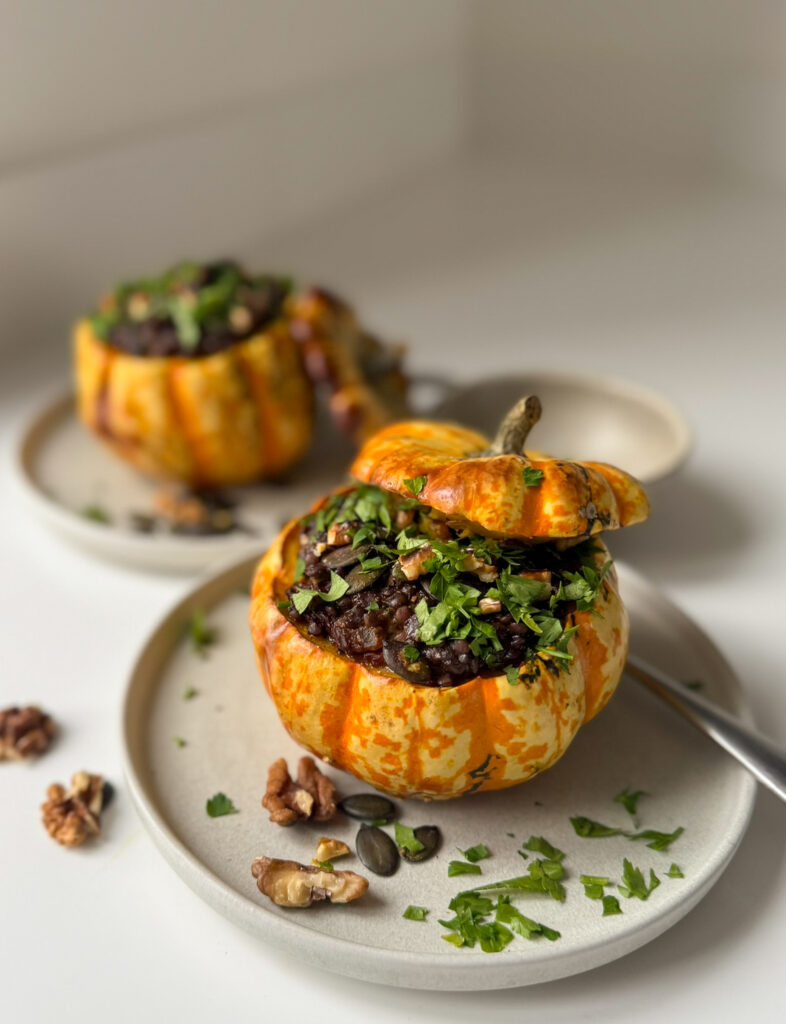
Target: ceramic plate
(232,734)
(62,470)
(600,419)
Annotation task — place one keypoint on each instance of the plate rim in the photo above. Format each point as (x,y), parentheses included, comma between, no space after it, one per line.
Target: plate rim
(610,384)
(162,553)
(470,973)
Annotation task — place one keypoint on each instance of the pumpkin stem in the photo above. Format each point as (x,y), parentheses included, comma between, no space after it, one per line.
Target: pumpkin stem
(512,434)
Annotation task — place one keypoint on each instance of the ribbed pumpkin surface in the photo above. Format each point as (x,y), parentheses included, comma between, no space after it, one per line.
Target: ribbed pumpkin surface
(490,492)
(432,743)
(238,415)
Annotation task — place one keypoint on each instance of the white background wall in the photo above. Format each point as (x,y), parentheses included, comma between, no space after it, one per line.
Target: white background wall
(134,133)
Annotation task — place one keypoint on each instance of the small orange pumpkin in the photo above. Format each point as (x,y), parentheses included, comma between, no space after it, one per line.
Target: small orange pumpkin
(228,416)
(492,730)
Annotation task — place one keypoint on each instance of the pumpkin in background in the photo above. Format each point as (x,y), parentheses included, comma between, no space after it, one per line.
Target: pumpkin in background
(432,713)
(199,375)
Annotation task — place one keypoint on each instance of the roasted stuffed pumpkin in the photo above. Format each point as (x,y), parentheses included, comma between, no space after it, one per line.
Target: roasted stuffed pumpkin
(206,374)
(446,624)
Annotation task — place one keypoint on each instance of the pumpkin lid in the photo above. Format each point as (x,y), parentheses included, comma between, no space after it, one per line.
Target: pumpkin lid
(498,487)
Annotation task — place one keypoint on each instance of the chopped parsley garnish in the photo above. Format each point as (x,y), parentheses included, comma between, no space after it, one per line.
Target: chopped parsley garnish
(675,871)
(537,844)
(397,541)
(324,865)
(202,636)
(629,799)
(194,299)
(301,599)
(470,925)
(513,673)
(415,485)
(633,883)
(521,925)
(459,867)
(178,741)
(694,684)
(476,853)
(611,906)
(96,514)
(588,829)
(532,477)
(544,876)
(594,885)
(219,805)
(406,839)
(189,693)
(414,913)
(657,840)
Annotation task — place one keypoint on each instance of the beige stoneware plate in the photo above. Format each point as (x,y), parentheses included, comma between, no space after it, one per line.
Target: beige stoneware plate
(585,416)
(61,468)
(232,734)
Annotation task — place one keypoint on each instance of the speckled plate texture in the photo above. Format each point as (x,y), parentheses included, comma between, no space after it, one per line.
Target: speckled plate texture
(232,734)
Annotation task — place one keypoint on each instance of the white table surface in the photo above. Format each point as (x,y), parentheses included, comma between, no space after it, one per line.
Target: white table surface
(485,267)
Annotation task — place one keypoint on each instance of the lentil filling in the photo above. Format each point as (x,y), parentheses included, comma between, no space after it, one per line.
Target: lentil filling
(392,585)
(190,310)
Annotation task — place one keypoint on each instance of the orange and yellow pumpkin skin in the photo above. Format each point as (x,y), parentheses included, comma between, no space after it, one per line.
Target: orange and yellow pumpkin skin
(432,743)
(238,415)
(467,485)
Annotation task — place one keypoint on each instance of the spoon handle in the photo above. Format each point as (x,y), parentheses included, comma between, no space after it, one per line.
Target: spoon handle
(759,755)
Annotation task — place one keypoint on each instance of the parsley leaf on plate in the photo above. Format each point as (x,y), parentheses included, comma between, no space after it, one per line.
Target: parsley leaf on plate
(589,829)
(611,906)
(537,844)
(629,799)
(633,883)
(414,913)
(219,805)
(476,853)
(657,840)
(459,867)
(201,635)
(675,871)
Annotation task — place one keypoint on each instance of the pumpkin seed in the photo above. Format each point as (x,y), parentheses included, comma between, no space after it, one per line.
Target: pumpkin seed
(368,807)
(376,850)
(430,836)
(359,580)
(341,557)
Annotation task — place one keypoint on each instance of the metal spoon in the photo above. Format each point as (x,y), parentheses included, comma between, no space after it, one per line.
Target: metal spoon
(755,752)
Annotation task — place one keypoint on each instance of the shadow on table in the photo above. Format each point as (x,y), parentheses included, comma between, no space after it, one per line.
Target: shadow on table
(696,529)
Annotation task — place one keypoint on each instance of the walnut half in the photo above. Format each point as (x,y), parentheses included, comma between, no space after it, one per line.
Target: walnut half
(71,817)
(24,732)
(289,884)
(312,796)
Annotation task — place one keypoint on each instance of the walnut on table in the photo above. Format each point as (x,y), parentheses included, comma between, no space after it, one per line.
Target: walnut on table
(312,796)
(25,732)
(289,884)
(72,816)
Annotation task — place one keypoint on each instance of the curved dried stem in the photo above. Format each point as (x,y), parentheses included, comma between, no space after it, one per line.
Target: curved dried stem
(514,429)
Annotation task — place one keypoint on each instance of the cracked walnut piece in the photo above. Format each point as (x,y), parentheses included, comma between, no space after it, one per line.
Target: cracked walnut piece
(289,884)
(24,732)
(312,796)
(70,817)
(329,849)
